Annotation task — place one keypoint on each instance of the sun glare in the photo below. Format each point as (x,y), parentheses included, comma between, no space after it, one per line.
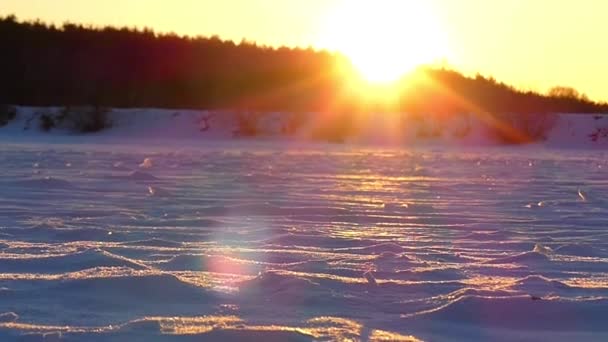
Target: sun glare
(384,39)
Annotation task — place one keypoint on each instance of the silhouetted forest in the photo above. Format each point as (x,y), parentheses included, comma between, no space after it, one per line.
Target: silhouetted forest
(72,65)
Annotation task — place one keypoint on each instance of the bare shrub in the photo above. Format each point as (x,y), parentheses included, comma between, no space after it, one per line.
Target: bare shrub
(7,114)
(84,119)
(335,129)
(537,127)
(523,128)
(203,123)
(293,123)
(599,134)
(247,124)
(46,121)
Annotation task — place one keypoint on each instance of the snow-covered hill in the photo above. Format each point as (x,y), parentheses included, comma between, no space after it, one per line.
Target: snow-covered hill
(563,130)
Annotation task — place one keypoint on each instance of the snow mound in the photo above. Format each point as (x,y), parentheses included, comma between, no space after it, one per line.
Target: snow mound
(254,335)
(521,313)
(430,274)
(8,317)
(211,263)
(540,254)
(486,236)
(161,288)
(306,239)
(393,257)
(66,263)
(273,284)
(522,258)
(155,242)
(582,250)
(379,249)
(539,286)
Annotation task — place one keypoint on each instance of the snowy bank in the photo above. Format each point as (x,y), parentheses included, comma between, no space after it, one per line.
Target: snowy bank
(561,130)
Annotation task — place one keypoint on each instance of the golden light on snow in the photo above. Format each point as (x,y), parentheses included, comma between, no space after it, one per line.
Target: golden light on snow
(385,39)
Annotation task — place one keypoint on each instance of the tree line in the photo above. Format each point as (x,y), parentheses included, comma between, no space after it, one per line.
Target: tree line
(77,65)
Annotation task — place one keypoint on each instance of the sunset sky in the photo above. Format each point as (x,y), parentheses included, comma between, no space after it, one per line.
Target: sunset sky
(533,44)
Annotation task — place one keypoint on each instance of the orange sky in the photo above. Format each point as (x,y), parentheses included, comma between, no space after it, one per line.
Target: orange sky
(532,44)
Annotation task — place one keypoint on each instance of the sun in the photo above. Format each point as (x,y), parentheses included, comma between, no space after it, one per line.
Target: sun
(384,39)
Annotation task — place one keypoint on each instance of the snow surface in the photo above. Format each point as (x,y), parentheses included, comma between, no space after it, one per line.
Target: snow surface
(562,130)
(119,237)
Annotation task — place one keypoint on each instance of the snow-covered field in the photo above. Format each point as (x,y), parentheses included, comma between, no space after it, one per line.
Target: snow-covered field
(110,239)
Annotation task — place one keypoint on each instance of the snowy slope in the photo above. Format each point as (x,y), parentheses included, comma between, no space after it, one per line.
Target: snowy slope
(565,130)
